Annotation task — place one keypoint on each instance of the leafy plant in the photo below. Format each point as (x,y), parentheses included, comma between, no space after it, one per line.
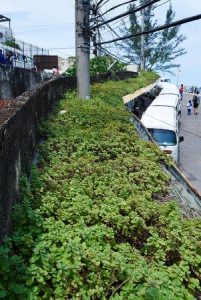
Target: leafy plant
(98,65)
(90,226)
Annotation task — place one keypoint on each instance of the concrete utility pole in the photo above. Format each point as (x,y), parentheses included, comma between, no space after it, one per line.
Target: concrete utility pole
(82,38)
(142,60)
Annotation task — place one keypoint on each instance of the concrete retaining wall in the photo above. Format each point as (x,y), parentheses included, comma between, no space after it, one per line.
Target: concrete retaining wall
(18,124)
(15,81)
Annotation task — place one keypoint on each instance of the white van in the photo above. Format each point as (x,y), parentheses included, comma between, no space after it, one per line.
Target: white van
(162,123)
(168,100)
(170,89)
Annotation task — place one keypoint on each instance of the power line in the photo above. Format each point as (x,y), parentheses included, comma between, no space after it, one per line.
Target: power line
(158,28)
(137,16)
(112,55)
(114,7)
(126,13)
(112,29)
(99,3)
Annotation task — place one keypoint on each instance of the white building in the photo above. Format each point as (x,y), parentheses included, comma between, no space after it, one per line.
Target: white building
(5,32)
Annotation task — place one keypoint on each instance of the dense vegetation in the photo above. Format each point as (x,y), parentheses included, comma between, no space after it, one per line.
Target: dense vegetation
(99,65)
(91,225)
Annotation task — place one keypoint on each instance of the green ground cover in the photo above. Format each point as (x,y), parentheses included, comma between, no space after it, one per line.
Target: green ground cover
(90,225)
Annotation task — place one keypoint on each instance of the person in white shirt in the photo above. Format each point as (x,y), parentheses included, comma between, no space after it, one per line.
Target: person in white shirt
(189,107)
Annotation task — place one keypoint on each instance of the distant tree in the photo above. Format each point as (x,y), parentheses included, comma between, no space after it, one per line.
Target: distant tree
(11,43)
(98,65)
(160,48)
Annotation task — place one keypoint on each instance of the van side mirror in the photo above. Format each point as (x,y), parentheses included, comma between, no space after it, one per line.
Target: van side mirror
(181,139)
(179,113)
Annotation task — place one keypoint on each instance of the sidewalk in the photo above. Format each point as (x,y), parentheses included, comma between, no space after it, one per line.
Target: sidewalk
(190,149)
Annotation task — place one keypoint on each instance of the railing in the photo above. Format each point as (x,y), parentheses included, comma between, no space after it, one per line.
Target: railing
(22,54)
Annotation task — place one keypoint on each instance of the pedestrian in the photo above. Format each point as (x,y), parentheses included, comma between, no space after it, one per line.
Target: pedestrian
(8,60)
(2,57)
(181,91)
(196,102)
(189,107)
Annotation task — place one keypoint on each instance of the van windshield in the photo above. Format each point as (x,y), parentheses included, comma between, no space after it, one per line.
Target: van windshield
(164,137)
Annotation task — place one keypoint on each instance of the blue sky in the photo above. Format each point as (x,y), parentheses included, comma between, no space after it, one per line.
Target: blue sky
(50,24)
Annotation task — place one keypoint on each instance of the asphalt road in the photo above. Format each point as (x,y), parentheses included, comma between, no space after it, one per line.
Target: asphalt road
(190,148)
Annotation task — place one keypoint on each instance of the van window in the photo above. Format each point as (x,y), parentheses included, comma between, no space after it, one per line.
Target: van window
(164,137)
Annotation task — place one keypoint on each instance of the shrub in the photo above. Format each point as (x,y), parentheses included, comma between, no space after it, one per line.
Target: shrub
(89,226)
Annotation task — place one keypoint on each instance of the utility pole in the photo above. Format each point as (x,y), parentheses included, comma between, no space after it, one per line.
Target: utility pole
(82,38)
(142,59)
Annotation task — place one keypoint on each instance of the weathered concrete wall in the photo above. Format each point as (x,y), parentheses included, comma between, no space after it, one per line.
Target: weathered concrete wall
(15,81)
(18,125)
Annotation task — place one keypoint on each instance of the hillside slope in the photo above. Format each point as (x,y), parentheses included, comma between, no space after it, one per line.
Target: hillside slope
(90,226)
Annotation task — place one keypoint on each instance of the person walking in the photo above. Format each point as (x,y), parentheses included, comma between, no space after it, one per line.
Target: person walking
(2,57)
(189,107)
(181,91)
(196,102)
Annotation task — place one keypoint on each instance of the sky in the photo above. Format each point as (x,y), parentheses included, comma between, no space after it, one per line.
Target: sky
(50,24)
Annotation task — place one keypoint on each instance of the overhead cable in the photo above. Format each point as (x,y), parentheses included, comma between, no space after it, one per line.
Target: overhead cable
(100,2)
(147,4)
(118,21)
(158,28)
(113,55)
(114,7)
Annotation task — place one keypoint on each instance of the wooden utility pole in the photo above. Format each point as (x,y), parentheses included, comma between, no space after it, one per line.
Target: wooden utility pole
(82,38)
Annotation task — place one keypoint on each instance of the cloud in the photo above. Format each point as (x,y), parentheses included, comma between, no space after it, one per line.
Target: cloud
(49,23)
(33,22)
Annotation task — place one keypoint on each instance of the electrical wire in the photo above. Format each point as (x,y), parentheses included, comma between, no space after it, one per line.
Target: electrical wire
(100,4)
(111,30)
(136,9)
(118,21)
(112,55)
(158,28)
(114,7)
